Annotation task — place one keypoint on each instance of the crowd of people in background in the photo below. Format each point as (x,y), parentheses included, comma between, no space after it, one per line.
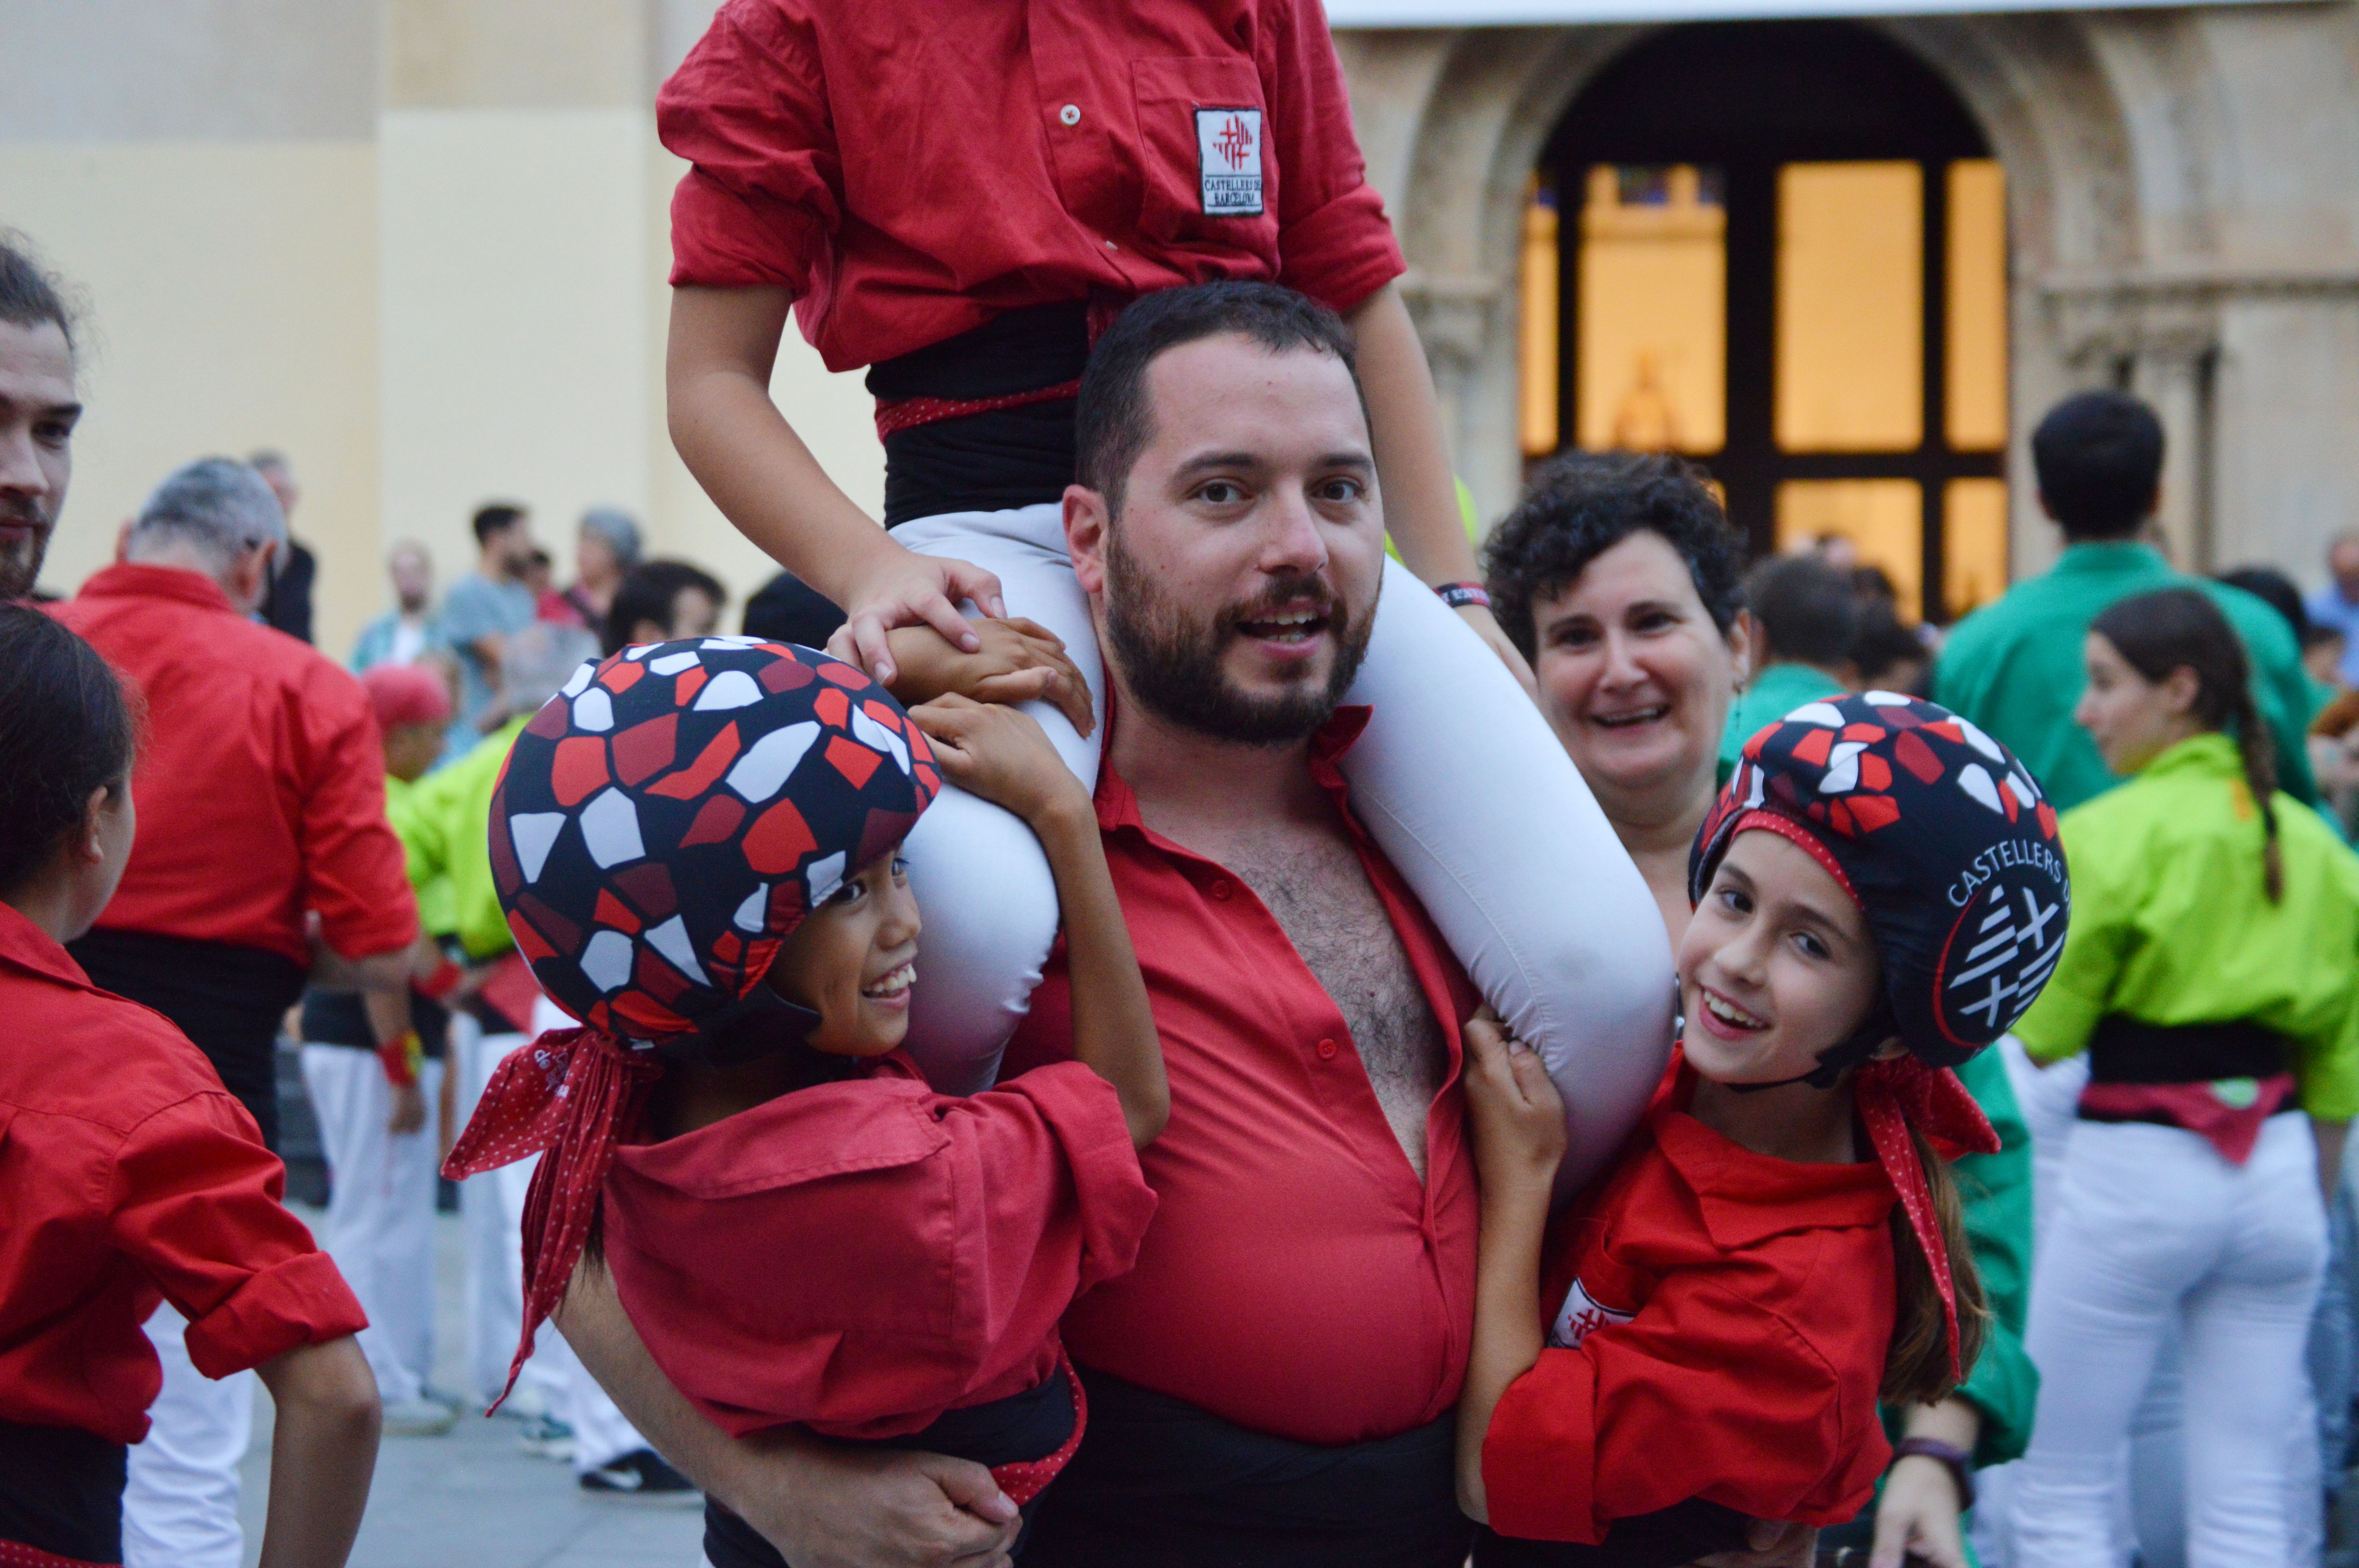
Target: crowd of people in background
(318,884)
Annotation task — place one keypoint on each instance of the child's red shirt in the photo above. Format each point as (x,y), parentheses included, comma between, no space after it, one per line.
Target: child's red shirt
(861,1256)
(129,1176)
(911,168)
(1718,1327)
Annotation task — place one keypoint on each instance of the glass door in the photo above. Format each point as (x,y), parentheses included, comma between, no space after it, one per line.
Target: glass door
(1825,331)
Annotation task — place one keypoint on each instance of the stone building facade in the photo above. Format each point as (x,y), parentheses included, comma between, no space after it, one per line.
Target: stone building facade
(2184,221)
(420,245)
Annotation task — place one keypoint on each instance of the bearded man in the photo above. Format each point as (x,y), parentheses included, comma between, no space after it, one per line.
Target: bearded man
(1274,1383)
(37,413)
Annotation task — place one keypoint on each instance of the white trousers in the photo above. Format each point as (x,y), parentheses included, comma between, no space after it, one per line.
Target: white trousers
(380,1222)
(1457,777)
(553,1382)
(2151,1228)
(179,1498)
(491,1217)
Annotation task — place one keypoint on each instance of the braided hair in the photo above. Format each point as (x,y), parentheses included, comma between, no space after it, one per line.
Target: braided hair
(2180,628)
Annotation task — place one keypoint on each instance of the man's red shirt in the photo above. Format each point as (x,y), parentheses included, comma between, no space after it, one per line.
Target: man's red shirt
(1720,1321)
(129,1176)
(910,170)
(1299,1279)
(261,776)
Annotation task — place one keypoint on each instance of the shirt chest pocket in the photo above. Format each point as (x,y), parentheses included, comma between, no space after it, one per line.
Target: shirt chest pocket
(1208,178)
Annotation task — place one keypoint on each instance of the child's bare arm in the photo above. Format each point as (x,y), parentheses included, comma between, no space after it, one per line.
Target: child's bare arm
(322,1453)
(1518,1128)
(1001,754)
(1020,661)
(757,470)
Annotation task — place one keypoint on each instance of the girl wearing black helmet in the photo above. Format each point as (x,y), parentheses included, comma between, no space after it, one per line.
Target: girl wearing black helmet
(1704,1337)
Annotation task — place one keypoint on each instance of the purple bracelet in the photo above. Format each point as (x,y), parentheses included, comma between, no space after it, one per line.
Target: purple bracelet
(1949,1457)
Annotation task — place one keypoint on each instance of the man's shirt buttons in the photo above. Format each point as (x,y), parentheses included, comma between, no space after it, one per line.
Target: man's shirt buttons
(1327,1049)
(1070,114)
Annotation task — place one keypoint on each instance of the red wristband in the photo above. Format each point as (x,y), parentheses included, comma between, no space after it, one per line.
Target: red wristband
(441,982)
(1458,595)
(400,1058)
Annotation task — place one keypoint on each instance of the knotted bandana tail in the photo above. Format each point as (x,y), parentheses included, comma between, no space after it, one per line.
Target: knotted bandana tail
(1894,1096)
(571,1095)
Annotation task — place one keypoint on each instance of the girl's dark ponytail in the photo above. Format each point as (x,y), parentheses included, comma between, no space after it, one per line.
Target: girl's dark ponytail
(2259,752)
(65,732)
(1917,1366)
(2180,628)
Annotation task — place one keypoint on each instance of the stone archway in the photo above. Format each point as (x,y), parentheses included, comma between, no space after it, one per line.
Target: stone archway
(1454,122)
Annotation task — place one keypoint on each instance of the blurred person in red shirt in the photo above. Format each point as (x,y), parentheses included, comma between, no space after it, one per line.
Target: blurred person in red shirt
(129,1177)
(263,784)
(376,1085)
(38,409)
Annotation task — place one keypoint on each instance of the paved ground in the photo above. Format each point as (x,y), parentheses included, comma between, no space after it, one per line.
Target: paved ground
(473,1497)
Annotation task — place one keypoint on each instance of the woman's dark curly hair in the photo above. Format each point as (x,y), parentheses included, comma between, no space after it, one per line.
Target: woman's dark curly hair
(1584,504)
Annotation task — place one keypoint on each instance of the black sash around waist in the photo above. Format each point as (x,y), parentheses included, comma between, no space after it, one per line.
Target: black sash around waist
(227,999)
(1159,1483)
(2124,1050)
(992,461)
(1668,1538)
(1031,1425)
(62,1491)
(341,1018)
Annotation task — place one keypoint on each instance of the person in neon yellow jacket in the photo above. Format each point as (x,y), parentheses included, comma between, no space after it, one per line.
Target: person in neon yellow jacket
(2208,970)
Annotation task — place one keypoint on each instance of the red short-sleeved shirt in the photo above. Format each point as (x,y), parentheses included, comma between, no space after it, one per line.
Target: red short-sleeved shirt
(1719,1324)
(1299,1279)
(911,168)
(129,1175)
(261,776)
(863,1256)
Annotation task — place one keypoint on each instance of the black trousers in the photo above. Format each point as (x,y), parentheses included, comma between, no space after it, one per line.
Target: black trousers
(1159,1483)
(228,1000)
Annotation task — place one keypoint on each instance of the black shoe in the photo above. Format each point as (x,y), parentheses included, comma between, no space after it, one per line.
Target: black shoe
(641,1476)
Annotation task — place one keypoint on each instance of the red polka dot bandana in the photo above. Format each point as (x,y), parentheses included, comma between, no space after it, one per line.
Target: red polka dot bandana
(661,828)
(1951,850)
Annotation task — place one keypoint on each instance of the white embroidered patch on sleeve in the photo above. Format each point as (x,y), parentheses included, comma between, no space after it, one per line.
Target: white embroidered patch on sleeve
(1228,153)
(1580,1317)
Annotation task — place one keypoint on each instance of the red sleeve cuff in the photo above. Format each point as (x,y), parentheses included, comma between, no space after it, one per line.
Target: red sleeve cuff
(1341,252)
(722,239)
(1116,1202)
(303,1300)
(358,933)
(1539,1453)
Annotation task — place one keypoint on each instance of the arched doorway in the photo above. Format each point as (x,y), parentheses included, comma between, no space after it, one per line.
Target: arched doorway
(1782,250)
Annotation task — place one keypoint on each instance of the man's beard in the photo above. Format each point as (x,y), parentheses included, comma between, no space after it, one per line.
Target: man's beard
(21,554)
(1170,657)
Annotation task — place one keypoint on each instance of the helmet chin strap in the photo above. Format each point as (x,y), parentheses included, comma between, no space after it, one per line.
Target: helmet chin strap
(1841,1057)
(723,1037)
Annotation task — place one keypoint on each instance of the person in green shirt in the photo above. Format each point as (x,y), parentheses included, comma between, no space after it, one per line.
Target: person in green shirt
(2014,667)
(1804,618)
(2207,969)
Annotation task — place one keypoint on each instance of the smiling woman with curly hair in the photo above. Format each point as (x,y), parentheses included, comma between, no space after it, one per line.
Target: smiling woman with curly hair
(1617,577)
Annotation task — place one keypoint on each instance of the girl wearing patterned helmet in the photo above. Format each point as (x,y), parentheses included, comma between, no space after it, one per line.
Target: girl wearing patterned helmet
(1879,894)
(697,846)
